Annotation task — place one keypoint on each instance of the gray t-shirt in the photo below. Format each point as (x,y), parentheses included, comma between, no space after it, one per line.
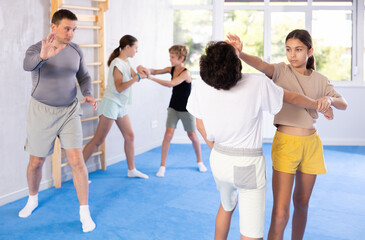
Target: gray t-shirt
(54,80)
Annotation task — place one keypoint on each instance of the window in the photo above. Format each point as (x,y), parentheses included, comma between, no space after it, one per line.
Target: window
(283,23)
(337,28)
(249,26)
(194,29)
(333,48)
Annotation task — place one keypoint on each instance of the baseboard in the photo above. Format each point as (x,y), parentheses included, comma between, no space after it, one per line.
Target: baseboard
(185,140)
(11,197)
(343,142)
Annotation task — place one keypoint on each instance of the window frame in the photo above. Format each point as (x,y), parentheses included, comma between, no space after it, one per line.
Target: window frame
(357,8)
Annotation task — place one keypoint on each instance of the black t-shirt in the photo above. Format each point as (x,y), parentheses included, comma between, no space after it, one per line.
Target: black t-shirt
(180,94)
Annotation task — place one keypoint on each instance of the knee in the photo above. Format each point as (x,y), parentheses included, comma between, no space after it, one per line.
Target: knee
(77,163)
(129,137)
(193,137)
(300,204)
(36,162)
(280,217)
(99,141)
(168,136)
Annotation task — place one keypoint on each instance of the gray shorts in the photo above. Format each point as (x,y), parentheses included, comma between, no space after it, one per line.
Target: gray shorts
(186,118)
(46,122)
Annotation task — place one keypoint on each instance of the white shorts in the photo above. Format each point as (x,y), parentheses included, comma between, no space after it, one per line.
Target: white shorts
(240,175)
(111,109)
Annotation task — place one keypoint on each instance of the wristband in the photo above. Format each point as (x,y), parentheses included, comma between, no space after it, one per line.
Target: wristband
(139,77)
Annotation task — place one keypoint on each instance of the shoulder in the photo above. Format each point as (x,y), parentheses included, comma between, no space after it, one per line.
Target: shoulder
(254,78)
(199,84)
(36,46)
(185,72)
(76,47)
(258,81)
(120,64)
(281,66)
(168,69)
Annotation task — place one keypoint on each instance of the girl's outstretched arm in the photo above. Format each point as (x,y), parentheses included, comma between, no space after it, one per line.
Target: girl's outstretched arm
(253,61)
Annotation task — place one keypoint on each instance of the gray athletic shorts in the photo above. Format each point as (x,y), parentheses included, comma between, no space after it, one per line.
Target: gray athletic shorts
(46,122)
(186,118)
(240,175)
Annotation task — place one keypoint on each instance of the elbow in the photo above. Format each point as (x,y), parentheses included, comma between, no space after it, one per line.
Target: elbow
(26,67)
(119,90)
(344,107)
(169,85)
(342,104)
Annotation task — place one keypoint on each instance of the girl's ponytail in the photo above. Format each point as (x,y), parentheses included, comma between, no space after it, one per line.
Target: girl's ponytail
(114,54)
(311,63)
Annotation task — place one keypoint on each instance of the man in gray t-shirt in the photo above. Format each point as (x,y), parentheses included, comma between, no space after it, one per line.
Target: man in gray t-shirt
(54,111)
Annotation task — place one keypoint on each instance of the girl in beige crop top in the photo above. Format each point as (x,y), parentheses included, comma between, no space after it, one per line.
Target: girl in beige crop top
(300,77)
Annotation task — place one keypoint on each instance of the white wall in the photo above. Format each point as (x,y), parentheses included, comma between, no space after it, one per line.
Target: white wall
(24,22)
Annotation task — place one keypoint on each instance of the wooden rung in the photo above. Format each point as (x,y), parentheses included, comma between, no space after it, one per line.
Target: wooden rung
(64,164)
(96,153)
(80,7)
(91,45)
(93,82)
(90,119)
(86,18)
(87,138)
(88,27)
(93,64)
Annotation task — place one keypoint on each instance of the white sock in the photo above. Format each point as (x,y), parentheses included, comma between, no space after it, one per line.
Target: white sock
(29,207)
(87,223)
(136,173)
(161,171)
(202,167)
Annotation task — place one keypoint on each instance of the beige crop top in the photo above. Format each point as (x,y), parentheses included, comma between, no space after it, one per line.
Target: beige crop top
(314,86)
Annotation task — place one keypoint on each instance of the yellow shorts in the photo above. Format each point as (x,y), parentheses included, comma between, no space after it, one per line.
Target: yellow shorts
(291,153)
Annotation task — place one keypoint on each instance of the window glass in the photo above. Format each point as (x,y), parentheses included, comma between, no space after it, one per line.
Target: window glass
(332,49)
(194,29)
(249,26)
(282,23)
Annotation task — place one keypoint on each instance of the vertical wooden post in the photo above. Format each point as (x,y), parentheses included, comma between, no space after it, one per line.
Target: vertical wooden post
(56,157)
(56,164)
(101,52)
(55,5)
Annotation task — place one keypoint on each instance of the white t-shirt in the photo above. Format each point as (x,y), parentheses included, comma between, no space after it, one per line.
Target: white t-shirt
(233,118)
(111,92)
